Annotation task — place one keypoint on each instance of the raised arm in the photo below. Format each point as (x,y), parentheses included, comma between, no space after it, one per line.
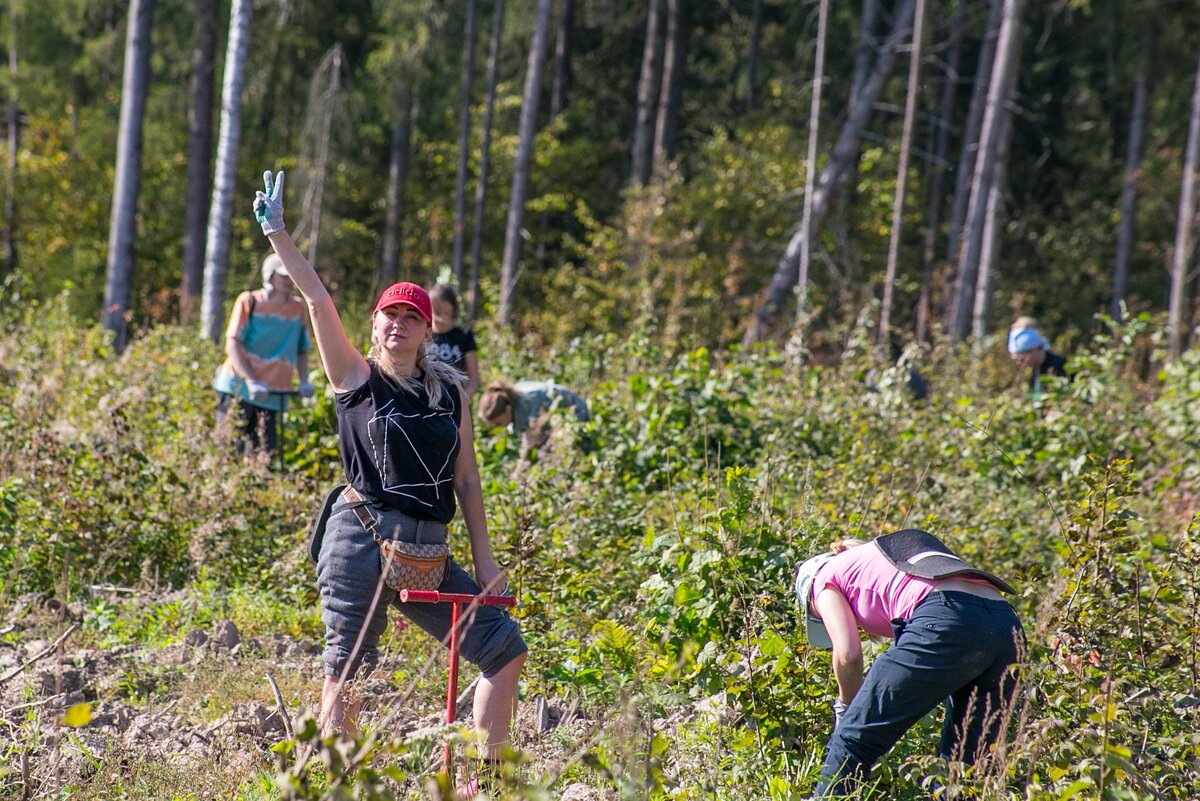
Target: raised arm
(344,365)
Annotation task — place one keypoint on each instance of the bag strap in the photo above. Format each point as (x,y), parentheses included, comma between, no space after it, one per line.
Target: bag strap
(361,508)
(359,505)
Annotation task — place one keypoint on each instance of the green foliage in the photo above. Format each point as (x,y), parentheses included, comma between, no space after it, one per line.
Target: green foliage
(653,549)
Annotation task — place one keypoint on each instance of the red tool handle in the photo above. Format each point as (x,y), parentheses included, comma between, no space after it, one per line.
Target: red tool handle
(454,598)
(435,597)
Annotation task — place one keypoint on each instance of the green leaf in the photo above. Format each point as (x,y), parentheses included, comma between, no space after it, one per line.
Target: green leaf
(1074,789)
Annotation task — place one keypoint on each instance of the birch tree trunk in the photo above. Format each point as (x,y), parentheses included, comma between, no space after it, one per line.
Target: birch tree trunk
(970,147)
(649,81)
(910,108)
(937,182)
(752,55)
(993,225)
(464,143)
(810,166)
(8,248)
(1004,73)
(1133,165)
(216,249)
(199,159)
(562,59)
(127,181)
(526,131)
(485,157)
(398,157)
(832,178)
(674,71)
(1176,325)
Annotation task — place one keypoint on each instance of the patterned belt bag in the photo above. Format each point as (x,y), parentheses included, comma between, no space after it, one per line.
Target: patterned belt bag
(405,565)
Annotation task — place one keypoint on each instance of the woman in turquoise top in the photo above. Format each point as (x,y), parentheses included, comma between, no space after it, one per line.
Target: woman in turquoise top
(265,343)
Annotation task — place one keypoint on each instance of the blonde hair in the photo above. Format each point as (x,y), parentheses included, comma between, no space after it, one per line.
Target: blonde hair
(436,374)
(1024,322)
(497,398)
(844,544)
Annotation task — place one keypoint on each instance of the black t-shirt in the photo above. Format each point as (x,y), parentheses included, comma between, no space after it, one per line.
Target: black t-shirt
(397,450)
(453,346)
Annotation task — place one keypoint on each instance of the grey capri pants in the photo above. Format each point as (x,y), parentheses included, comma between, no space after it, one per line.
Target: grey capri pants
(347,574)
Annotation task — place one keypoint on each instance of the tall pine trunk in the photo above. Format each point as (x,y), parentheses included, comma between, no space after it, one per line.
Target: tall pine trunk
(864,50)
(1004,73)
(216,249)
(674,72)
(8,247)
(810,166)
(937,182)
(324,89)
(1176,325)
(398,158)
(985,282)
(526,131)
(970,148)
(464,143)
(561,85)
(752,55)
(649,81)
(1133,165)
(910,109)
(127,181)
(485,156)
(832,178)
(199,164)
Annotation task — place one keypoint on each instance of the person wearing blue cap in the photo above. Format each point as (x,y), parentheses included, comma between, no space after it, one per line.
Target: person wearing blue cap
(956,641)
(1029,348)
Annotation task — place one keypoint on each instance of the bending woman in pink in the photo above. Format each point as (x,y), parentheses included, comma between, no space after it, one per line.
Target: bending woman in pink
(956,641)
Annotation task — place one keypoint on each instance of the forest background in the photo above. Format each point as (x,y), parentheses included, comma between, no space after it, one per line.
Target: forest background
(640,227)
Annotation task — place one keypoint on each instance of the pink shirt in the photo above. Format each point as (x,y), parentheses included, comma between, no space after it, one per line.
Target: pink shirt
(877,591)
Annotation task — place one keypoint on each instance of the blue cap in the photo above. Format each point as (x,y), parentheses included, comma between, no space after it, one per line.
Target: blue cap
(1023,339)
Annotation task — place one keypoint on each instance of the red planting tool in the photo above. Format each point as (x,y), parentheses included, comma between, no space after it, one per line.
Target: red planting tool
(457,600)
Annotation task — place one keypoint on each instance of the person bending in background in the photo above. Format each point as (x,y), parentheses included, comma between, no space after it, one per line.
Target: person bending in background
(1030,349)
(526,405)
(405,439)
(454,344)
(266,342)
(956,640)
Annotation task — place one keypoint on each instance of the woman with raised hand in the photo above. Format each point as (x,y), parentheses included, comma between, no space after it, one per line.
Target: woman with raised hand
(956,641)
(405,439)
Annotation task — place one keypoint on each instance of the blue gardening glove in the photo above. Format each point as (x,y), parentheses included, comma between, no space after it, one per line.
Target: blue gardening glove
(258,390)
(839,711)
(305,390)
(268,205)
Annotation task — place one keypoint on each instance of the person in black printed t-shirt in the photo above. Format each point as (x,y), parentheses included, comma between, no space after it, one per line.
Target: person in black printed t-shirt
(404,433)
(453,344)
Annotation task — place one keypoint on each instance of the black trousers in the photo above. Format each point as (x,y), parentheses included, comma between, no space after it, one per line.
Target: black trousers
(259,427)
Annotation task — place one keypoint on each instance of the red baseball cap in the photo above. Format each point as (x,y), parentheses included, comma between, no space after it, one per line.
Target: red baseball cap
(406,294)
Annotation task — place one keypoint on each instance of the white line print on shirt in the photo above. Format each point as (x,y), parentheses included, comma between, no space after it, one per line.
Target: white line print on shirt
(393,420)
